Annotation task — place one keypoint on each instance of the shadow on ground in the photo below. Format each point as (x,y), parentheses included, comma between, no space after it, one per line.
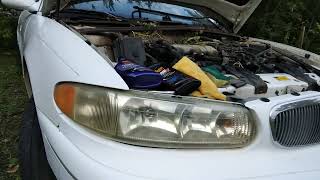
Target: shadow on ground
(12,99)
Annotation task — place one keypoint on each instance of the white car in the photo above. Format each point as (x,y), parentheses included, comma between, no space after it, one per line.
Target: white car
(91,117)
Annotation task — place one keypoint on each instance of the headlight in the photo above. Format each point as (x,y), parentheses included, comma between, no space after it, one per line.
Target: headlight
(156,120)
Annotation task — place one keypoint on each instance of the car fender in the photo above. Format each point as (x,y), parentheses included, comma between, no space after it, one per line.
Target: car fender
(54,54)
(21,29)
(314,59)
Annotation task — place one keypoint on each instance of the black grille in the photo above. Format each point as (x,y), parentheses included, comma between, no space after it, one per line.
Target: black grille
(298,126)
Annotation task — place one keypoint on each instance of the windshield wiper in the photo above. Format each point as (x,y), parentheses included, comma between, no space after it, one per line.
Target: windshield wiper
(80,14)
(166,16)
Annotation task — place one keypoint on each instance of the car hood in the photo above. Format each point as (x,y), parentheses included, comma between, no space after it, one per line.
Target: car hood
(233,12)
(236,14)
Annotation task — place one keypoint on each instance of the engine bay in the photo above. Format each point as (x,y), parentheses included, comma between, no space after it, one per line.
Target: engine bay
(204,64)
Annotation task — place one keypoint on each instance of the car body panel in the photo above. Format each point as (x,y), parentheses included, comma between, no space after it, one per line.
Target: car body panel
(237,15)
(53,54)
(30,5)
(21,29)
(313,60)
(76,165)
(263,159)
(51,60)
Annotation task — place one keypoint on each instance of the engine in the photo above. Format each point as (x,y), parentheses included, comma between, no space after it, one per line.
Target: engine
(239,67)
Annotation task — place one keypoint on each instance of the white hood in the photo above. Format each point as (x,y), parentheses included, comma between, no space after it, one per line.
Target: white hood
(237,15)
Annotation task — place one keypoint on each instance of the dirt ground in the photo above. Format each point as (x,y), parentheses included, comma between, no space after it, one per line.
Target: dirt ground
(12,99)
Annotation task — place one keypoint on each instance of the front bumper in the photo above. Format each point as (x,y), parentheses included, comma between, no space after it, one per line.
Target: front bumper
(77,153)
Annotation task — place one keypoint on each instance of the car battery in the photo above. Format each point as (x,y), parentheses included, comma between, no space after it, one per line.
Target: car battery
(278,84)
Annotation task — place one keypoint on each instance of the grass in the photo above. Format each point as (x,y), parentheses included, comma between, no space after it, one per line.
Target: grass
(12,99)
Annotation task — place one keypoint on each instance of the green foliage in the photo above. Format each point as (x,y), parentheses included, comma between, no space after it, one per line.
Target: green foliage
(12,97)
(284,20)
(8,25)
(7,32)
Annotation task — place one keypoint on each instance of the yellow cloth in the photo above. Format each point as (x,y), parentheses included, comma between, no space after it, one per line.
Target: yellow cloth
(218,82)
(198,94)
(207,87)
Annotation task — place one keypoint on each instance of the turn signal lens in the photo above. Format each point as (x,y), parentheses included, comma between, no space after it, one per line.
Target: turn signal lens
(64,95)
(156,120)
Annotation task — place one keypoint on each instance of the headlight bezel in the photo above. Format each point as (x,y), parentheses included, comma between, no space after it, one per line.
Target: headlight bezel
(162,97)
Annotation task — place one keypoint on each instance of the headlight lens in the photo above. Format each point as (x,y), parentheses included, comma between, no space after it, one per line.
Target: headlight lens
(156,120)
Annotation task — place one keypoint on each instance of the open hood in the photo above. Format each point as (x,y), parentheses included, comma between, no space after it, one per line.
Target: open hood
(236,13)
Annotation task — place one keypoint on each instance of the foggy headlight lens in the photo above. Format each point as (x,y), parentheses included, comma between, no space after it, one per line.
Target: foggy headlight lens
(156,120)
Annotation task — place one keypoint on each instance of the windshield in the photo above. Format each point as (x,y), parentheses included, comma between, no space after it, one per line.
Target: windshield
(145,10)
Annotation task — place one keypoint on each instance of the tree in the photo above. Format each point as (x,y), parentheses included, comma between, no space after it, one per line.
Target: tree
(8,24)
(292,22)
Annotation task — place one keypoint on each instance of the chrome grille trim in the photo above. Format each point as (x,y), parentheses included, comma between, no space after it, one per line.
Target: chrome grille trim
(297,123)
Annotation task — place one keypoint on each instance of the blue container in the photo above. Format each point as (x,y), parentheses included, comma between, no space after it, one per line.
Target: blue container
(136,76)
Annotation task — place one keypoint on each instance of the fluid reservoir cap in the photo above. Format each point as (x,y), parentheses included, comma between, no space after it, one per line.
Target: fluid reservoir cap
(282,78)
